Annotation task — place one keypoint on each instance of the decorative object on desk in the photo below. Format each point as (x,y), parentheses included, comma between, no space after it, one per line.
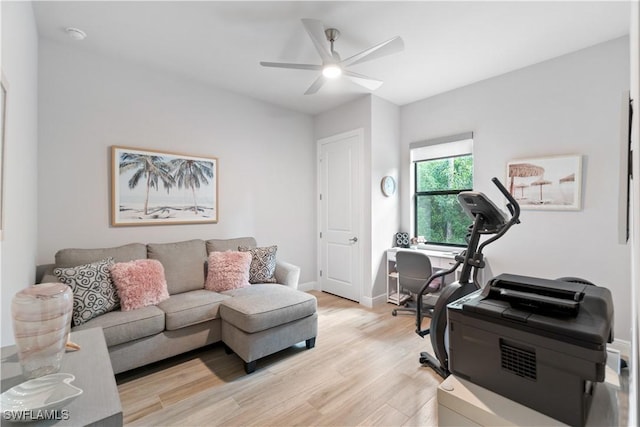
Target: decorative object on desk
(41,394)
(41,321)
(549,183)
(190,187)
(402,240)
(388,185)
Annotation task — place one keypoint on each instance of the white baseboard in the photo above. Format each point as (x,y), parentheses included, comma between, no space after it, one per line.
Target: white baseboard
(308,286)
(624,347)
(373,302)
(380,300)
(367,302)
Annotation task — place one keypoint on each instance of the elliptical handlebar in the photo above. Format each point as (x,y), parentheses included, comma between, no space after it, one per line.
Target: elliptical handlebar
(513,206)
(422,292)
(514,210)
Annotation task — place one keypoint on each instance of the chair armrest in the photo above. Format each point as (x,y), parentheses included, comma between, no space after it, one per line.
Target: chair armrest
(287,274)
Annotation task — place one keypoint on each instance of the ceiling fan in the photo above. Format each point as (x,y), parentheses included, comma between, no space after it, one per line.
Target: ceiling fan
(332,66)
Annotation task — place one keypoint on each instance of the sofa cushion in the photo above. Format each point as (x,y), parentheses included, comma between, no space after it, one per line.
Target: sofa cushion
(125,326)
(227,270)
(221,245)
(93,291)
(189,308)
(260,307)
(184,263)
(74,257)
(139,283)
(263,264)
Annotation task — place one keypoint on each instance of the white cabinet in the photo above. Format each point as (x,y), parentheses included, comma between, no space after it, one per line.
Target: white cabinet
(439,261)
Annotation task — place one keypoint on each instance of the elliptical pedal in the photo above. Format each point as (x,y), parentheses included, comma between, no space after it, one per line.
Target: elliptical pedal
(427,360)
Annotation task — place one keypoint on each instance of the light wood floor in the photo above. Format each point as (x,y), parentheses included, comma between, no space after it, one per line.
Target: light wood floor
(364,370)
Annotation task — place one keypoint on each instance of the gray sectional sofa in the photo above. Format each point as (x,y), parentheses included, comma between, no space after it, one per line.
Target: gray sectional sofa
(253,321)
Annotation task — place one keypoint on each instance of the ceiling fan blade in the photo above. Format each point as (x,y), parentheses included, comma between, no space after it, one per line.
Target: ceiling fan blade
(315,86)
(294,66)
(364,81)
(315,29)
(389,47)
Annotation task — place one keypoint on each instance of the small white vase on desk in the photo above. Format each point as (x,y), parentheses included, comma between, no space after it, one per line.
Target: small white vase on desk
(41,322)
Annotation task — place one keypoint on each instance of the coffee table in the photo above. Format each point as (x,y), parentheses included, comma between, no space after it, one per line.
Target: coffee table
(99,404)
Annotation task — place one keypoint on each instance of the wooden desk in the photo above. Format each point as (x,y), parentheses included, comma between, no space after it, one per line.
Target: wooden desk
(99,404)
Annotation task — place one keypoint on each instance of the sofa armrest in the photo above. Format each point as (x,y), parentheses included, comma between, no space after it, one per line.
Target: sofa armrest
(287,274)
(44,274)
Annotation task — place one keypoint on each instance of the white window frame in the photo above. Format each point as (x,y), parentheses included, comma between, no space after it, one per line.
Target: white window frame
(430,149)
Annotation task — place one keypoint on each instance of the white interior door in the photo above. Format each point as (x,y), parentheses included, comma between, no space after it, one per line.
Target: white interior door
(339,214)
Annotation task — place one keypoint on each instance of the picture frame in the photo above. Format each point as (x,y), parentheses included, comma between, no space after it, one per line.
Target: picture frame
(4,86)
(546,183)
(150,187)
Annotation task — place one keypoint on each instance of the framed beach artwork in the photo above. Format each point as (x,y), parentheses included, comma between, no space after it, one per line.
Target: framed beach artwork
(547,183)
(153,188)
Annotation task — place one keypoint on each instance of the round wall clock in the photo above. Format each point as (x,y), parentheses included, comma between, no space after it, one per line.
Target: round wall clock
(388,185)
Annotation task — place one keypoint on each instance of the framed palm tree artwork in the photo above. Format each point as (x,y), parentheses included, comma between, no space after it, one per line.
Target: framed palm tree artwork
(153,188)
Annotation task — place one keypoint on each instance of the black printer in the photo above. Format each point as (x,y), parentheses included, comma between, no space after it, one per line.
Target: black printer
(539,342)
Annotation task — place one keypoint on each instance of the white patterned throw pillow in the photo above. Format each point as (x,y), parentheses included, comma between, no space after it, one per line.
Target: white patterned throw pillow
(93,290)
(263,264)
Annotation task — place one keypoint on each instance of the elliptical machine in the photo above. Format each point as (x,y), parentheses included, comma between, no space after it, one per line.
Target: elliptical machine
(487,220)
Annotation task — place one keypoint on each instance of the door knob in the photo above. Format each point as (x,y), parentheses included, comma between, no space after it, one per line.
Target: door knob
(353,239)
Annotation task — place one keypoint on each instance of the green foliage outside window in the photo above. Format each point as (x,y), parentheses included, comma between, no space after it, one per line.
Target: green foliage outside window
(439,217)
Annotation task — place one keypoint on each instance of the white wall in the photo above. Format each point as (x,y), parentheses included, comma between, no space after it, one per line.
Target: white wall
(385,211)
(634,374)
(566,105)
(89,102)
(380,120)
(19,66)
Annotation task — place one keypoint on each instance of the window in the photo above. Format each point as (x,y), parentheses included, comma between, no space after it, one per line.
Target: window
(441,171)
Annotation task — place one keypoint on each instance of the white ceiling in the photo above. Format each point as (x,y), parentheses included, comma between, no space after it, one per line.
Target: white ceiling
(447,44)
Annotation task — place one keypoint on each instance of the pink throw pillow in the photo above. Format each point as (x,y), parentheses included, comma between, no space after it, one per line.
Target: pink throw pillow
(139,283)
(228,270)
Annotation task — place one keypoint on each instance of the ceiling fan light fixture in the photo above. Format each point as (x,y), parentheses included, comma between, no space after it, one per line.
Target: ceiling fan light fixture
(332,66)
(331,71)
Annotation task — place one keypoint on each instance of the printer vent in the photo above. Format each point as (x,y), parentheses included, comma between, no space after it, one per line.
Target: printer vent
(518,361)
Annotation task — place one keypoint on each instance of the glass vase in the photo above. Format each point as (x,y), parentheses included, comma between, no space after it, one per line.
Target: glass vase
(41,322)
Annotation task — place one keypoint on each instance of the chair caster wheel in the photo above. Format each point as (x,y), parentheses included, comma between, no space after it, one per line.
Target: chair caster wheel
(394,313)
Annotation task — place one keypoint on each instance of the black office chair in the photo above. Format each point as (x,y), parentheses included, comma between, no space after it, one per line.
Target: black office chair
(414,269)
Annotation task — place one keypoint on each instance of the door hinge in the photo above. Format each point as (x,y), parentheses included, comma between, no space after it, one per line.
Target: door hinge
(321,196)
(321,234)
(320,273)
